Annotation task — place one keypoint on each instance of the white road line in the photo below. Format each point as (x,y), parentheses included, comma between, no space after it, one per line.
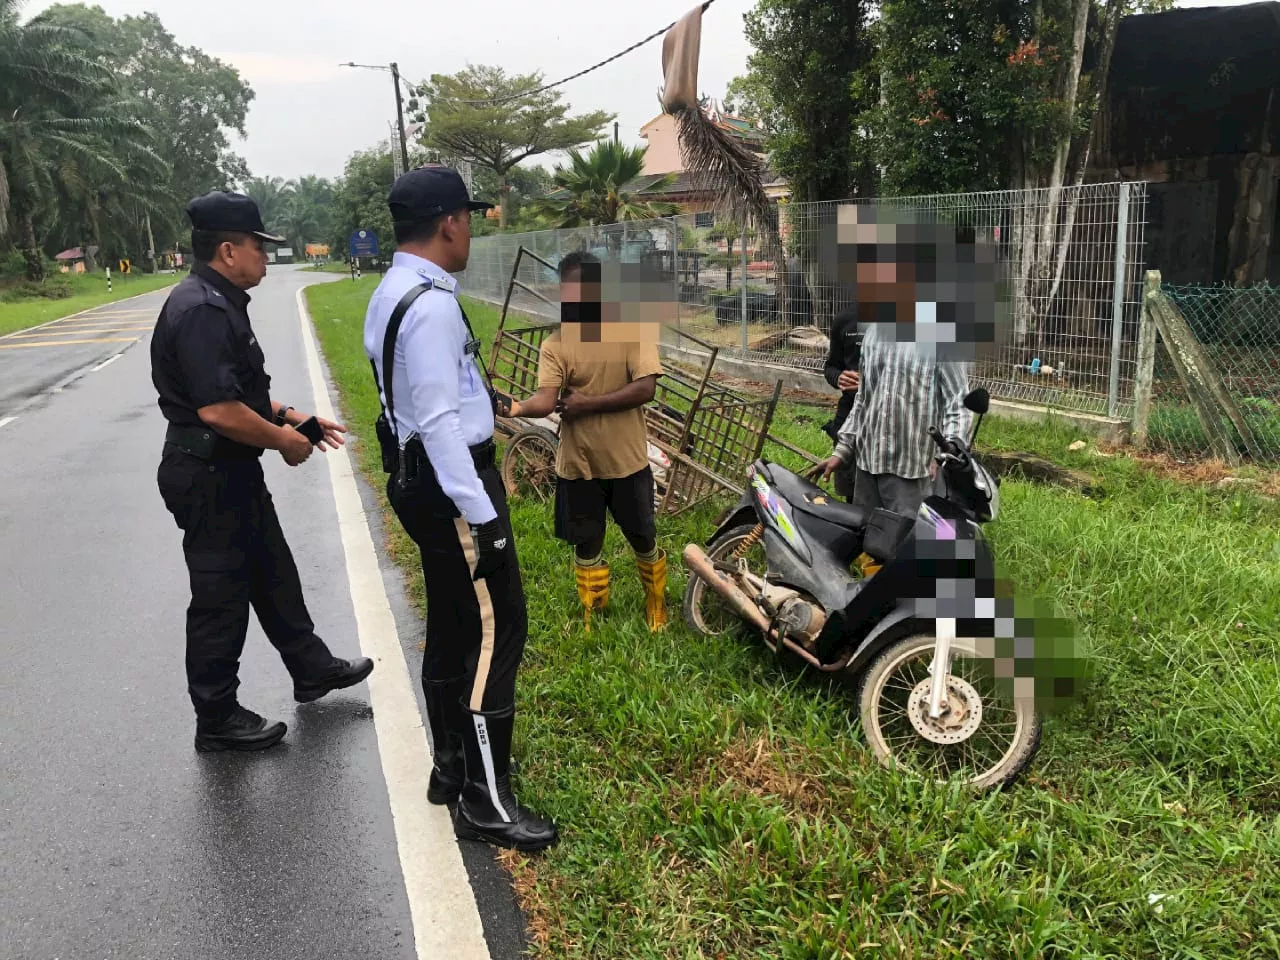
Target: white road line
(446,921)
(8,420)
(111,360)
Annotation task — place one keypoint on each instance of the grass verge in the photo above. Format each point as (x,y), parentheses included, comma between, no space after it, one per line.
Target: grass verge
(87,290)
(718,805)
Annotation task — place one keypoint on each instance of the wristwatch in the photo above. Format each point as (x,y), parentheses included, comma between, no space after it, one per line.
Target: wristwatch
(280,417)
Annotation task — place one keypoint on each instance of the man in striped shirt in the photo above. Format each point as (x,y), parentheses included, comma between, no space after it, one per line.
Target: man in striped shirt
(913,372)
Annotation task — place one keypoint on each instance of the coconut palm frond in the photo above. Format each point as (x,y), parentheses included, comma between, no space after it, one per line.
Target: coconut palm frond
(719,164)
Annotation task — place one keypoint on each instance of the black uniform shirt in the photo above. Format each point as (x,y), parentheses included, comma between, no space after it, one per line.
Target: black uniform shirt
(204,351)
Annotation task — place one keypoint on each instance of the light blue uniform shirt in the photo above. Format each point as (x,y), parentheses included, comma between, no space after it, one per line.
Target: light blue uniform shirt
(440,393)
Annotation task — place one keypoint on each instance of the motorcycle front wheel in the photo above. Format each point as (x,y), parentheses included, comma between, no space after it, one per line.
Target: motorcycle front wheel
(982,737)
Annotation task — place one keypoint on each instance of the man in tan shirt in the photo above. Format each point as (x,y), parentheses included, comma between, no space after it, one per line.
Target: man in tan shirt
(599,385)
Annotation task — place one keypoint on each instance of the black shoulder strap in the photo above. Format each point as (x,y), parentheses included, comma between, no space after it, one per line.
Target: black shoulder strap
(389,349)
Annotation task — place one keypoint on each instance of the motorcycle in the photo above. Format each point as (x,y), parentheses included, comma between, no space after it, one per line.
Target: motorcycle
(913,628)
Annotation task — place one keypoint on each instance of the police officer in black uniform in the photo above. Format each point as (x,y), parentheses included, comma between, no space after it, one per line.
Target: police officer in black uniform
(207,367)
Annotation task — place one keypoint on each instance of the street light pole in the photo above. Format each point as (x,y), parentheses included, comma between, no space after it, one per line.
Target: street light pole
(395,79)
(404,144)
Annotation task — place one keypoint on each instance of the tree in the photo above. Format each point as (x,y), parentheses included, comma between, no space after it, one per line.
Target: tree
(984,94)
(804,78)
(525,184)
(274,197)
(808,77)
(188,99)
(595,184)
(64,135)
(360,200)
(310,212)
(748,96)
(498,135)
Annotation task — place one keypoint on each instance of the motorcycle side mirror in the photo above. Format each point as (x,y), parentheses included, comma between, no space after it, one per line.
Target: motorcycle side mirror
(978,401)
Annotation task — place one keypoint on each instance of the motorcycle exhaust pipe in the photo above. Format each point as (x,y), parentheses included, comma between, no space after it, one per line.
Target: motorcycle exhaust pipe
(697,561)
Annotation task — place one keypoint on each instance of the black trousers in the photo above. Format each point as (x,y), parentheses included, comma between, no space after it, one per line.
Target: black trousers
(237,558)
(475,629)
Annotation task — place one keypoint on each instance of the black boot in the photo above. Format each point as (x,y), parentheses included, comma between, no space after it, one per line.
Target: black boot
(340,675)
(487,810)
(448,719)
(240,730)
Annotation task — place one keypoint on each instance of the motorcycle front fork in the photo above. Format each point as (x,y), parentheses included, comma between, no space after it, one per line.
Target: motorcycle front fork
(945,633)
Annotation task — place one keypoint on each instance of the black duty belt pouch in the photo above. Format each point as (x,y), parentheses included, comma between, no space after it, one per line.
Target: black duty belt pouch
(387,443)
(198,442)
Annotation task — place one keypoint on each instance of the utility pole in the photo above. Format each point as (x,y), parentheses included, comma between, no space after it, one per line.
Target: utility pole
(404,144)
(615,133)
(151,243)
(395,79)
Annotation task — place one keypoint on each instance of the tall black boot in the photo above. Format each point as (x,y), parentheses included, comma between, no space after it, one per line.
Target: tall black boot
(448,721)
(487,810)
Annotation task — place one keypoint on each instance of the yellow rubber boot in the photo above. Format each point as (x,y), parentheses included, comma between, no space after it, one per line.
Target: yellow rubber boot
(653,574)
(593,589)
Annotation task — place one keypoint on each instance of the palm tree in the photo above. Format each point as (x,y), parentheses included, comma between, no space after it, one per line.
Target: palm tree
(595,188)
(65,143)
(273,196)
(310,214)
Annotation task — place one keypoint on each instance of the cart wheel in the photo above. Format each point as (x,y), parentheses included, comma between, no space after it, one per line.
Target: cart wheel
(529,464)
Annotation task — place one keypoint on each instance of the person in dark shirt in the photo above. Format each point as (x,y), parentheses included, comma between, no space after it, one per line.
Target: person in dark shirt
(841,371)
(214,391)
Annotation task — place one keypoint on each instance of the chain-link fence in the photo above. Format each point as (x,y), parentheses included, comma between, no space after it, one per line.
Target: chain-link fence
(1239,331)
(1073,259)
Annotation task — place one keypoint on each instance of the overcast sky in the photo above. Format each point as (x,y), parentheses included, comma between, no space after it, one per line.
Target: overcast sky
(309,114)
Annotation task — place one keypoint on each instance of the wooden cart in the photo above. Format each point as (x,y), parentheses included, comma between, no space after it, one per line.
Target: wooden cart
(702,435)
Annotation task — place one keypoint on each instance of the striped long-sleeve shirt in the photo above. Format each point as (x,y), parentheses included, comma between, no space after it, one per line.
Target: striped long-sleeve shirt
(905,389)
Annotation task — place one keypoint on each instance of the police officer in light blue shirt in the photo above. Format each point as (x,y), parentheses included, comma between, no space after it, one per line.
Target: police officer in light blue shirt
(437,438)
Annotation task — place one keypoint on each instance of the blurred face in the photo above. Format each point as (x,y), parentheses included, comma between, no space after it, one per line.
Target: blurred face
(243,262)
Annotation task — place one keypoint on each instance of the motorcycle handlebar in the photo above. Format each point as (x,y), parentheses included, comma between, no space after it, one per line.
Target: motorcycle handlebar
(953,448)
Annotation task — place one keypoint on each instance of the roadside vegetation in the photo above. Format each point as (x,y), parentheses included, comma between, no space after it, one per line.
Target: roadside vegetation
(718,804)
(25,304)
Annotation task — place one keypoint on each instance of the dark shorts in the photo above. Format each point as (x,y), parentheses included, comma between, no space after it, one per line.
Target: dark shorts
(581,506)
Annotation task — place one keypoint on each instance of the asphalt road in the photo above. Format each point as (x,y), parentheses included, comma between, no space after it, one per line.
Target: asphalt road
(117,840)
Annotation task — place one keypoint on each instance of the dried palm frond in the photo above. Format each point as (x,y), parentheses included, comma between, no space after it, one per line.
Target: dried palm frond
(717,163)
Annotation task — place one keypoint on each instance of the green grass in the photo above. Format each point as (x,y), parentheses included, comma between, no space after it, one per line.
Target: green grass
(86,290)
(716,804)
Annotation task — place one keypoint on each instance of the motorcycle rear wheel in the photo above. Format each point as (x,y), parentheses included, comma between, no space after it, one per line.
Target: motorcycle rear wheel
(704,611)
(947,747)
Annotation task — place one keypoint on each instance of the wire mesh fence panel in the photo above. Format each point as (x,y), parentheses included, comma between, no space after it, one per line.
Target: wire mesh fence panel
(1072,261)
(1239,331)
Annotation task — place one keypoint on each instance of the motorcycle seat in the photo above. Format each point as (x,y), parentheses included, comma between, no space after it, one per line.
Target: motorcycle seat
(811,499)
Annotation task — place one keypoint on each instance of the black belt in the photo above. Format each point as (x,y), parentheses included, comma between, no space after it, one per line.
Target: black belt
(484,455)
(204,443)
